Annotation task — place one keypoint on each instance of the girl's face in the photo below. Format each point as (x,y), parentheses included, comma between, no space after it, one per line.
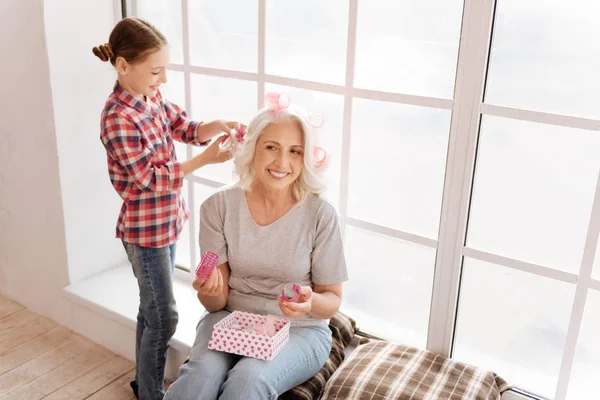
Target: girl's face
(279,156)
(143,78)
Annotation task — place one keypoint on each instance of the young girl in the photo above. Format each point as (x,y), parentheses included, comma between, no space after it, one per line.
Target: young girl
(137,129)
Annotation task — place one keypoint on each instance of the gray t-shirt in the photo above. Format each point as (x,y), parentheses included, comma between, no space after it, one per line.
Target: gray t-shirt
(304,246)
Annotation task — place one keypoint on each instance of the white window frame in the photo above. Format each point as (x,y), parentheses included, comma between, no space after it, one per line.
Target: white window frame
(467,108)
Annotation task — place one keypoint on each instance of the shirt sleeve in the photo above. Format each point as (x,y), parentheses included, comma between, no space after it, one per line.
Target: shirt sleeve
(123,143)
(328,264)
(182,128)
(212,236)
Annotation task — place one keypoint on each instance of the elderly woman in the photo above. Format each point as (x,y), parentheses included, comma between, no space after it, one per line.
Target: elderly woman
(269,230)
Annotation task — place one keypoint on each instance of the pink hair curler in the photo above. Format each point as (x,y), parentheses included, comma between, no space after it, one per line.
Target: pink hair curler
(240,134)
(320,155)
(277,101)
(316,120)
(291,293)
(207,265)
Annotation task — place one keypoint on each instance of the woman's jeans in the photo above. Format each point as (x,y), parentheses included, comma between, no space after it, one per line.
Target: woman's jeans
(211,374)
(157,316)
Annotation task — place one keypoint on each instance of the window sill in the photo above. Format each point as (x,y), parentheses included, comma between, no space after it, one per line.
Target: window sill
(114,295)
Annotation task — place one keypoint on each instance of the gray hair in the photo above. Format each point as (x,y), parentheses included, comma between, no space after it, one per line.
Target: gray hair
(310,180)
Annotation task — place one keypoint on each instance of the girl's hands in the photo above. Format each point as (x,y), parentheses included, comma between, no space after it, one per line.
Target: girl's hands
(213,154)
(227,126)
(299,309)
(212,287)
(207,131)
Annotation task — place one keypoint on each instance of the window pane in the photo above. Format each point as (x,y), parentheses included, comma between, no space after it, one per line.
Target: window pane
(201,193)
(307,39)
(545,56)
(397,164)
(174,91)
(329,136)
(586,366)
(183,256)
(513,323)
(166,16)
(533,191)
(222,38)
(397,306)
(222,98)
(408,46)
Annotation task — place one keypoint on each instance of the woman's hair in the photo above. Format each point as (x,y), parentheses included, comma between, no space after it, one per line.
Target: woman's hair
(310,180)
(133,39)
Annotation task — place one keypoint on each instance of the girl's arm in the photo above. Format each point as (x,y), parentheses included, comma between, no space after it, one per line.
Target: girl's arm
(212,155)
(183,129)
(123,143)
(187,131)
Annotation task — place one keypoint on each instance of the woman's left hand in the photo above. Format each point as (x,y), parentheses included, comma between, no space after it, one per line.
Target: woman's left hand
(300,308)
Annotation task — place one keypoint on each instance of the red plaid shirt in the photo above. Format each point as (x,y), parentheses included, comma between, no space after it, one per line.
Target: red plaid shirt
(143,168)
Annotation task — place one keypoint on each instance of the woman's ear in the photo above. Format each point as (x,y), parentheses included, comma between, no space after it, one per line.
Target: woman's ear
(122,66)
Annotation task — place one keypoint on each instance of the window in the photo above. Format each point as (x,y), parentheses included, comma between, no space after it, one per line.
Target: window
(464,137)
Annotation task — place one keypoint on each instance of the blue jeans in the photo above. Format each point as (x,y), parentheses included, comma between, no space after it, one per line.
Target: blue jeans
(157,316)
(211,374)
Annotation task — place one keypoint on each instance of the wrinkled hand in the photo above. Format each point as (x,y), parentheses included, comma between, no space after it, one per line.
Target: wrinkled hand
(211,287)
(299,309)
(213,154)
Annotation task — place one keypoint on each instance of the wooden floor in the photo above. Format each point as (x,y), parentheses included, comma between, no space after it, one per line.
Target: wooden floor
(40,359)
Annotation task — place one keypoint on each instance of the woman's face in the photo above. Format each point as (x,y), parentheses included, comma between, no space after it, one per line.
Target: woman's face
(279,156)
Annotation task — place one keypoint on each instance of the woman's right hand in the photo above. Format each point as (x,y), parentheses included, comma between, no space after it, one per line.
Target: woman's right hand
(211,287)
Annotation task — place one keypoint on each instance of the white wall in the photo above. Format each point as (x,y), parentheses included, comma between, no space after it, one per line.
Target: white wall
(57,208)
(80,85)
(33,262)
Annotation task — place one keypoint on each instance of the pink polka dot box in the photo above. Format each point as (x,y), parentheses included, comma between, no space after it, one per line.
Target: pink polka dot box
(242,333)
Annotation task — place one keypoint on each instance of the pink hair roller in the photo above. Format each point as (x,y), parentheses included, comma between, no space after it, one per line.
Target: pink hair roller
(267,327)
(316,120)
(207,265)
(240,135)
(320,156)
(277,101)
(291,294)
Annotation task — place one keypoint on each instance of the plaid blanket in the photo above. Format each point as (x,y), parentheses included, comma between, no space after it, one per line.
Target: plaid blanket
(343,329)
(383,370)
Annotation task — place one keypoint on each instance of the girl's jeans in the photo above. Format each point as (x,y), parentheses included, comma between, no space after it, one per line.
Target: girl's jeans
(157,316)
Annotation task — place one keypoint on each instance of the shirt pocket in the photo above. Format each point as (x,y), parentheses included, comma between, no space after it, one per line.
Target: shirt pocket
(157,141)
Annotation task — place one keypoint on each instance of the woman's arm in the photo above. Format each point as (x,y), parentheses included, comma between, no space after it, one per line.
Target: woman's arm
(213,292)
(326,301)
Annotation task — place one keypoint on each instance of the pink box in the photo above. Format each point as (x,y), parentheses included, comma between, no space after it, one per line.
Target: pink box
(238,341)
